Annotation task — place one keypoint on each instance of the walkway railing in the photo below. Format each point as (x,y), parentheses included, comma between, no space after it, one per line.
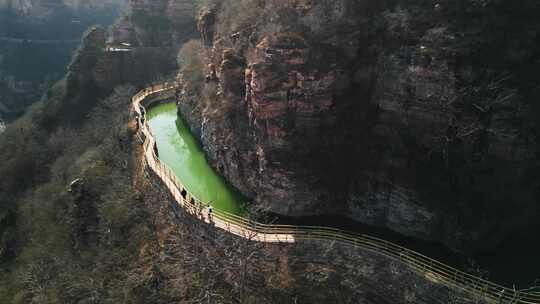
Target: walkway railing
(433,270)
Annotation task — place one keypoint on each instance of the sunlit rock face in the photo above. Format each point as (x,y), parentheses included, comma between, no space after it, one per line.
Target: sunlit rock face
(395,115)
(283,93)
(290,103)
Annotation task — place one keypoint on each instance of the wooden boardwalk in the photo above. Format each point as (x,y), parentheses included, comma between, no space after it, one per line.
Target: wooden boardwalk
(431,269)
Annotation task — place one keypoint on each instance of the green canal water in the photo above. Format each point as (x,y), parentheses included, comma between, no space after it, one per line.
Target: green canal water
(181,152)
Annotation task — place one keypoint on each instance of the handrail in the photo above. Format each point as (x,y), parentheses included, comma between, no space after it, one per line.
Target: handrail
(255,231)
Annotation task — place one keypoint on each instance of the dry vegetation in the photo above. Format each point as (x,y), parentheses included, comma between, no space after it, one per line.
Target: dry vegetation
(191,63)
(62,237)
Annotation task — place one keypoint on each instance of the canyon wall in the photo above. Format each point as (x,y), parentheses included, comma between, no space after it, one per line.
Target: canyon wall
(410,115)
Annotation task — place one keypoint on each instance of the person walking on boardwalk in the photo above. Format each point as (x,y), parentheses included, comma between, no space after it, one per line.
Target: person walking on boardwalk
(210,214)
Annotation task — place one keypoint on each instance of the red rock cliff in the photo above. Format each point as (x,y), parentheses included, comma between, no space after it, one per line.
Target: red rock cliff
(385,113)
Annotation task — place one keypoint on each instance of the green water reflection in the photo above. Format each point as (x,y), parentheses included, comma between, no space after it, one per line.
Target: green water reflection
(179,150)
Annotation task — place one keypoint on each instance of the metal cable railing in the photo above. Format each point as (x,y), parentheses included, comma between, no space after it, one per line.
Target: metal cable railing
(243,227)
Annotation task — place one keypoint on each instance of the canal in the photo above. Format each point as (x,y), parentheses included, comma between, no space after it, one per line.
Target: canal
(516,261)
(181,152)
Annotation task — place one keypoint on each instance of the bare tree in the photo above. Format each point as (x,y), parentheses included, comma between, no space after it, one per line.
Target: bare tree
(226,267)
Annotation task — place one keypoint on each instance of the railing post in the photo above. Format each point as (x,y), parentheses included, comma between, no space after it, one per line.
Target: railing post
(516,297)
(500,296)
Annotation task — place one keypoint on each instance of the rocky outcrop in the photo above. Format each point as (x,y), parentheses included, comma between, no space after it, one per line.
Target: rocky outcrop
(157,23)
(90,51)
(104,70)
(205,24)
(384,113)
(282,110)
(153,30)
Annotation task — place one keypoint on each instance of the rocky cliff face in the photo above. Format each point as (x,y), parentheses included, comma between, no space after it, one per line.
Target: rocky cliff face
(155,29)
(157,23)
(415,116)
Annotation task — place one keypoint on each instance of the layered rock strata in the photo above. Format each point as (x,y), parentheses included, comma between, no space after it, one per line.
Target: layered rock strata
(393,114)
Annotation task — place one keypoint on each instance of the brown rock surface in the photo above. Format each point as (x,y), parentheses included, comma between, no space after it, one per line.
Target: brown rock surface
(387,114)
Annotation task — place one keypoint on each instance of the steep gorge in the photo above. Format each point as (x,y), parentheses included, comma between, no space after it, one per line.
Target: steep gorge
(410,115)
(81,222)
(306,137)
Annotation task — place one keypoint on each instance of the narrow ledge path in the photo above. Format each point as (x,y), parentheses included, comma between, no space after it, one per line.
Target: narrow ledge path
(431,269)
